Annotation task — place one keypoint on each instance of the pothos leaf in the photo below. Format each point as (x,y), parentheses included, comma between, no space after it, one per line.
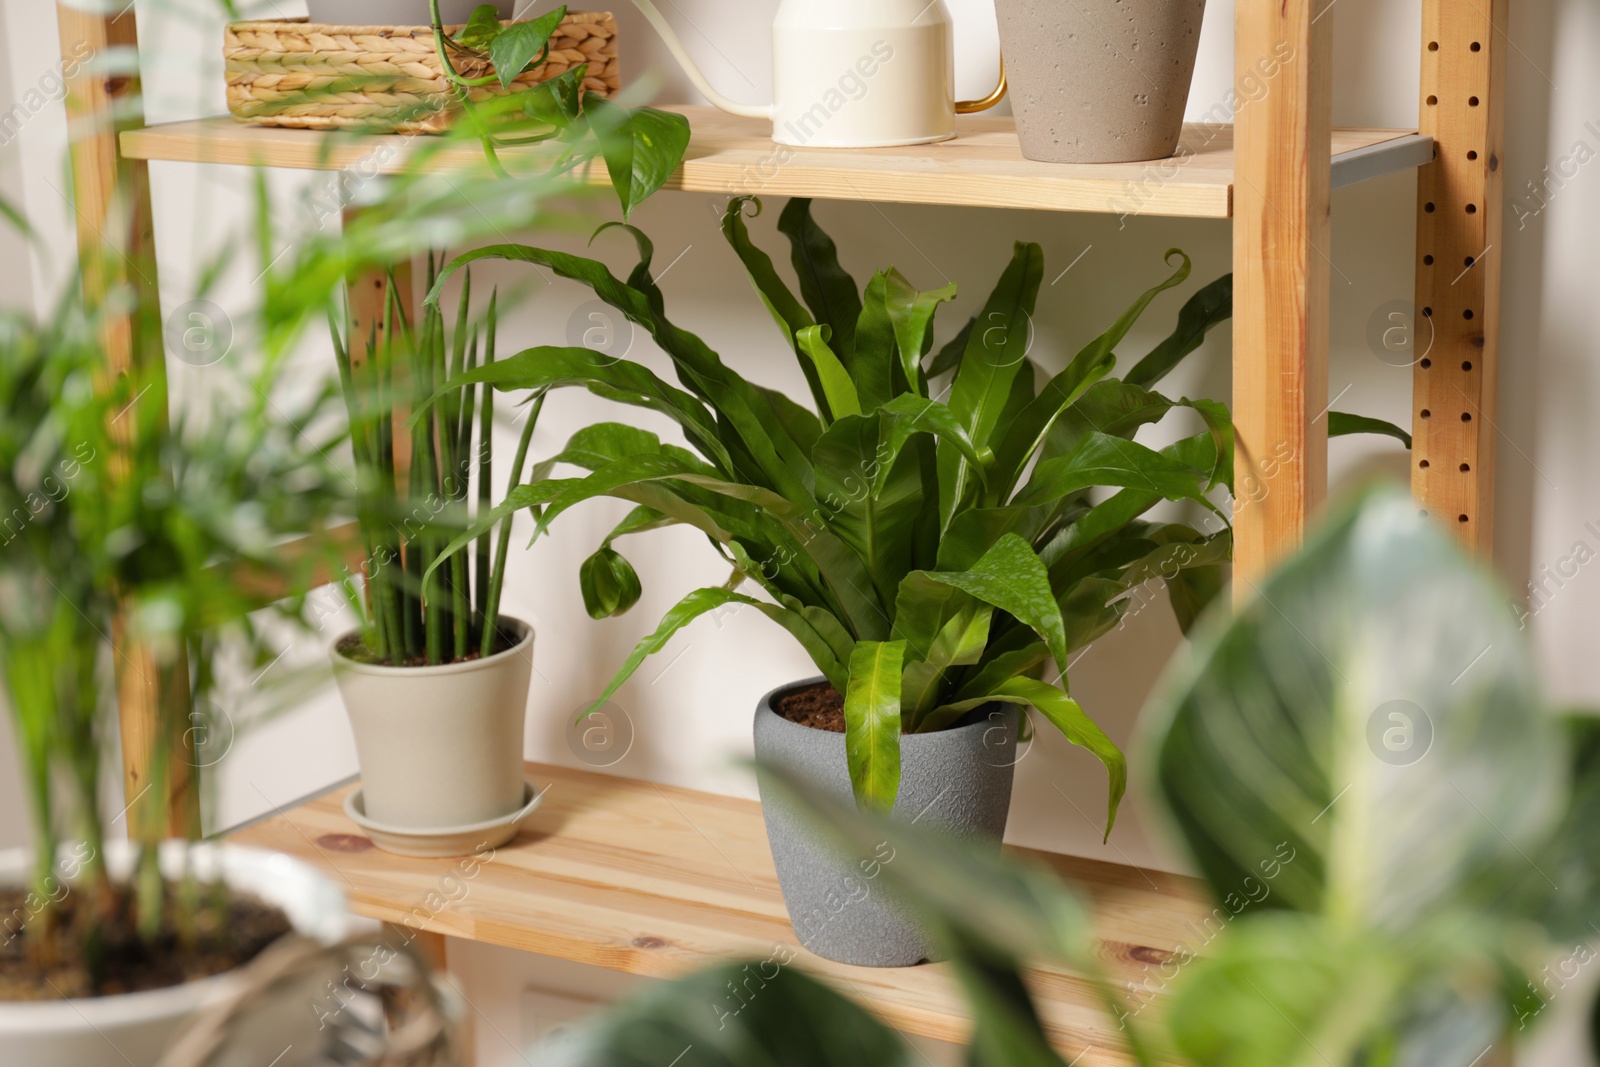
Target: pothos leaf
(641,147)
(517,44)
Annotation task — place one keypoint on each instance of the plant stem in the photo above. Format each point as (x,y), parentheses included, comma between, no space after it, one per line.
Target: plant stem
(486,470)
(497,579)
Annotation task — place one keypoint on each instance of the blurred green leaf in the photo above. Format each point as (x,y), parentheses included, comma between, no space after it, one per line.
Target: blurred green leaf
(1370,710)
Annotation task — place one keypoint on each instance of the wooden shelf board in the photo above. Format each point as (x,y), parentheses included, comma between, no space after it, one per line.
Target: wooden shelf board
(658,881)
(982,167)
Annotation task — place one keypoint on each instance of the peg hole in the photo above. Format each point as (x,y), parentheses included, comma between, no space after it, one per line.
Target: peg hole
(1425,413)
(1433,101)
(1466,364)
(1423,464)
(1433,46)
(1427,261)
(1466,416)
(1472,209)
(1461,518)
(1466,467)
(1428,207)
(1477,46)
(1472,155)
(1467,314)
(1470,261)
(1426,363)
(1472,101)
(1427,313)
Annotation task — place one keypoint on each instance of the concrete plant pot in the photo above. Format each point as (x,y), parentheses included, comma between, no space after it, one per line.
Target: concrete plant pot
(136,1028)
(398,12)
(1099,81)
(440,747)
(958,780)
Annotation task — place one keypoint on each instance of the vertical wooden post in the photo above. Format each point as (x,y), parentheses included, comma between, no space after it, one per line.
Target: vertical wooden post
(116,251)
(1459,222)
(366,302)
(1282,146)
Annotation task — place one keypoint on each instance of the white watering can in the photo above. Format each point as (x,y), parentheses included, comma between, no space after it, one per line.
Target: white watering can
(852,73)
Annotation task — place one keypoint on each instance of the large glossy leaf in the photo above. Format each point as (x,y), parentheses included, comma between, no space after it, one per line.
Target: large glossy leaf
(516,45)
(1572,858)
(1370,709)
(765,1012)
(869,498)
(1343,424)
(1212,305)
(697,604)
(907,415)
(943,627)
(1026,433)
(837,384)
(1011,577)
(1102,460)
(1283,990)
(995,354)
(827,287)
(1066,715)
(872,722)
(609,584)
(896,317)
(553,367)
(641,146)
(775,458)
(787,311)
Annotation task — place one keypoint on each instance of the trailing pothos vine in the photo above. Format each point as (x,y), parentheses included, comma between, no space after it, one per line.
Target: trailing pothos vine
(641,147)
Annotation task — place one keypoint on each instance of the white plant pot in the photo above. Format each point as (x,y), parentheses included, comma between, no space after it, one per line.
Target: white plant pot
(399,12)
(136,1028)
(440,746)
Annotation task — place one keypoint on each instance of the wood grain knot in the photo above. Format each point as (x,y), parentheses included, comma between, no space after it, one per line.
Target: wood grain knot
(344,843)
(1146,954)
(649,942)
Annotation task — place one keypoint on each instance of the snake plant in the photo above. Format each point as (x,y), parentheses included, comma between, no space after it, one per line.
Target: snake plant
(932,531)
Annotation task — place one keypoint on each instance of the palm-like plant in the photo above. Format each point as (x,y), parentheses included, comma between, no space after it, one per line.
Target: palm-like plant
(933,545)
(112,519)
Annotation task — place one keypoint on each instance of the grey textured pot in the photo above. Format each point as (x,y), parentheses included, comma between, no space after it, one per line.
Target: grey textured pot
(397,12)
(958,780)
(1099,81)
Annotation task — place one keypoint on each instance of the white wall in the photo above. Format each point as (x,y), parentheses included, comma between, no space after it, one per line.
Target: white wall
(690,708)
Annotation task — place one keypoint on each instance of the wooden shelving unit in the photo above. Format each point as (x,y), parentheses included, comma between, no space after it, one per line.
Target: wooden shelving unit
(654,881)
(658,881)
(982,167)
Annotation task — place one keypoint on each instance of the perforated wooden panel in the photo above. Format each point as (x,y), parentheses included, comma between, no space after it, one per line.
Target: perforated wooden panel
(1458,264)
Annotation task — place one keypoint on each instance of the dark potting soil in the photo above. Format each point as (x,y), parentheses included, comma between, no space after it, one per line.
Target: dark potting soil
(352,647)
(220,943)
(818,705)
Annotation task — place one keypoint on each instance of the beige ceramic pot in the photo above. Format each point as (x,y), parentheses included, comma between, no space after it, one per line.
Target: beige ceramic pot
(440,746)
(1099,81)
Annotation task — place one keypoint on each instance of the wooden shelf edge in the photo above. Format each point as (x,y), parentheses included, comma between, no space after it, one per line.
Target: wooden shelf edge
(983,167)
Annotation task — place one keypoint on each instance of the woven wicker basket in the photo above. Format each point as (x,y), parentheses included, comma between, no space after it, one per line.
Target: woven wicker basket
(314,76)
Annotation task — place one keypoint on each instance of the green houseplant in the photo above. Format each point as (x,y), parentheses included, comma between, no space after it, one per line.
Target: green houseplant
(1437,870)
(641,147)
(114,520)
(933,557)
(432,635)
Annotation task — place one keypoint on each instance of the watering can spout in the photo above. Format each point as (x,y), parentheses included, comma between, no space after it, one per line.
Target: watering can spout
(675,46)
